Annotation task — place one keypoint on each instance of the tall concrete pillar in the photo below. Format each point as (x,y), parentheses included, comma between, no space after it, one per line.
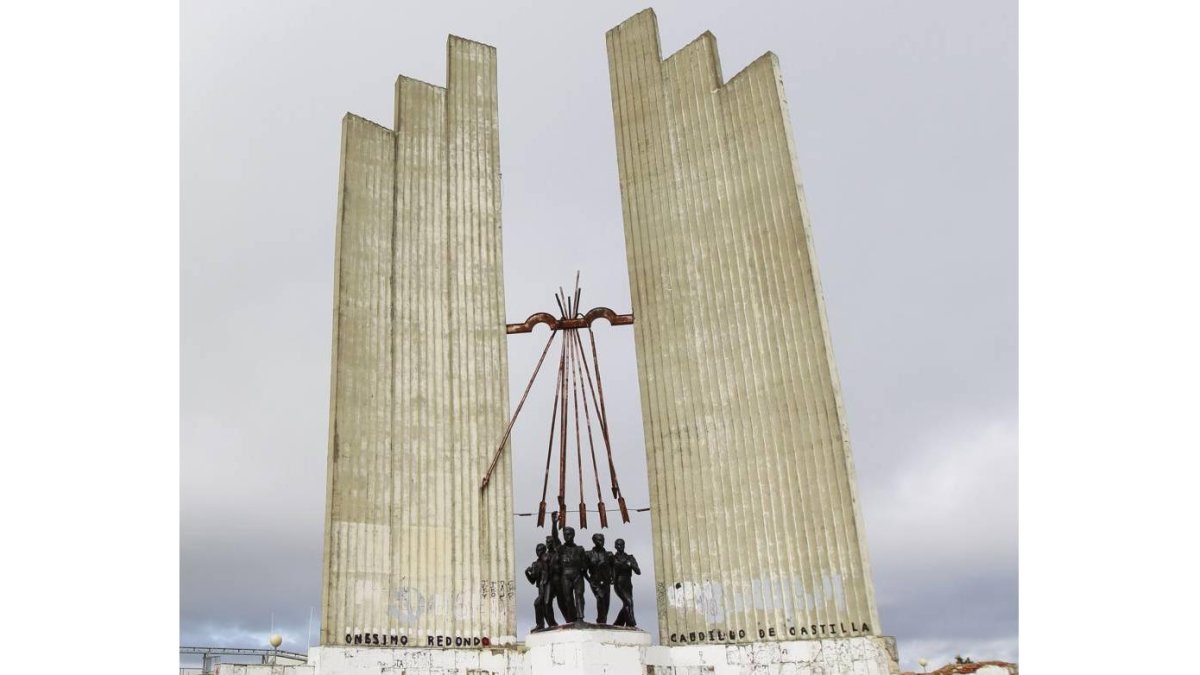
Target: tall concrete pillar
(415,553)
(756,527)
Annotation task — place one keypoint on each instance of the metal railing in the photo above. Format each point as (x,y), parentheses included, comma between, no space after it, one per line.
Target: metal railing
(210,655)
(244,651)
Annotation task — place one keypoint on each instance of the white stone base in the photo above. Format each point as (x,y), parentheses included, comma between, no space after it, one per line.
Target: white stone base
(601,652)
(589,651)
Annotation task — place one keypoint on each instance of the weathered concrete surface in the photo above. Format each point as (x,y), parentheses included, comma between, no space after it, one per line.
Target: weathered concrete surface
(413,549)
(756,526)
(864,655)
(414,661)
(613,652)
(257,669)
(587,652)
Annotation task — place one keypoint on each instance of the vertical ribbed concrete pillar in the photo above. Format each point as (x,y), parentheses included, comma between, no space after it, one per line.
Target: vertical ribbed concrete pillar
(413,549)
(757,532)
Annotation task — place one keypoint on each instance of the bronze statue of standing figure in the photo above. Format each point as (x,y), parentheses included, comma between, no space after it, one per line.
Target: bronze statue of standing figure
(552,544)
(600,576)
(572,562)
(540,575)
(624,567)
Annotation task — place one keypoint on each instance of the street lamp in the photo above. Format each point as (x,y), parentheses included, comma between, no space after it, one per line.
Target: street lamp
(276,640)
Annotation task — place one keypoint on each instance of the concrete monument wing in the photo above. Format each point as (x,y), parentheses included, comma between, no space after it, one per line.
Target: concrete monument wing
(415,553)
(757,534)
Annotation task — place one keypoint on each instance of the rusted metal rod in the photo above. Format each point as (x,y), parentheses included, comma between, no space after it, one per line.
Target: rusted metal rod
(641,510)
(487,477)
(616,488)
(562,456)
(578,442)
(587,369)
(579,368)
(602,415)
(550,445)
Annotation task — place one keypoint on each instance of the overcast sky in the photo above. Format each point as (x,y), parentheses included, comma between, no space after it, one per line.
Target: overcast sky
(905,124)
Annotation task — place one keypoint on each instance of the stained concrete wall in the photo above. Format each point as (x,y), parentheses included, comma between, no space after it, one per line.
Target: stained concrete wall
(863,655)
(757,533)
(413,549)
(256,669)
(603,652)
(387,661)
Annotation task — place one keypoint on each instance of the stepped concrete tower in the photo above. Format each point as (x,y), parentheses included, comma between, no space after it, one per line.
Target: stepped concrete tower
(415,553)
(756,526)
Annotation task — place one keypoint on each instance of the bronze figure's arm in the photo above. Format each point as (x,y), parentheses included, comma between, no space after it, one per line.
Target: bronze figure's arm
(554,529)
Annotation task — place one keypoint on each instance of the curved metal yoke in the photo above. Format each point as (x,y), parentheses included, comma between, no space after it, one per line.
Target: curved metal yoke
(560,323)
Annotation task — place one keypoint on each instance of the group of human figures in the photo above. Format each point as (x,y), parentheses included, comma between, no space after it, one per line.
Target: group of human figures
(561,568)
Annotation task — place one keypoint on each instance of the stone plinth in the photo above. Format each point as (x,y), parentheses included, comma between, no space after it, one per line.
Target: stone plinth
(587,651)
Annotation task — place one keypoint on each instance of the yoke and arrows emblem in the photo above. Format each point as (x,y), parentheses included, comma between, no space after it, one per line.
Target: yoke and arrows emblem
(577,379)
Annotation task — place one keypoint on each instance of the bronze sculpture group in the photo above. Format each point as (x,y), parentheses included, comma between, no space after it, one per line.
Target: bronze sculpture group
(562,567)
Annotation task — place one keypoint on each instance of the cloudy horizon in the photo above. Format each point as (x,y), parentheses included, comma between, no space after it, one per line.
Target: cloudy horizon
(905,126)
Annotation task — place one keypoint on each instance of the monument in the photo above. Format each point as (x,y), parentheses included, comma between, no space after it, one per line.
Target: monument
(757,539)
